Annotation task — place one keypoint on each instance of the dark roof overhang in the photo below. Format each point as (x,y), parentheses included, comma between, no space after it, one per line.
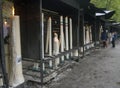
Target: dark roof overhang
(84,3)
(90,12)
(109,14)
(61,6)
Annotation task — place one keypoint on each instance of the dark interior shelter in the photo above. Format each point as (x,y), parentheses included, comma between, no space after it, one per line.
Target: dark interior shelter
(115,28)
(29,12)
(89,18)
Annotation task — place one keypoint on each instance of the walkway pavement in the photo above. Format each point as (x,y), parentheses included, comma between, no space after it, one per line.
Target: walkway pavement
(100,69)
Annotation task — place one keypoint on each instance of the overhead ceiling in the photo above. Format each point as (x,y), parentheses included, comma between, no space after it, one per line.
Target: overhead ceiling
(73,3)
(84,3)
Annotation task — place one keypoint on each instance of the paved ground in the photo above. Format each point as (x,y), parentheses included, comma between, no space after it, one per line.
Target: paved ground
(101,69)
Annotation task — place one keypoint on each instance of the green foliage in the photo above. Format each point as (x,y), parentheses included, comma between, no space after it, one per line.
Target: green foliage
(109,5)
(6,0)
(7,8)
(99,3)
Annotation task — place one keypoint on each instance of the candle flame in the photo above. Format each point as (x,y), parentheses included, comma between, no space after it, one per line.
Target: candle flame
(13,11)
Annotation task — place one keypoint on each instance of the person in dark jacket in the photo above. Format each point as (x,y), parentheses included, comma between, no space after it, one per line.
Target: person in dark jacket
(104,38)
(114,36)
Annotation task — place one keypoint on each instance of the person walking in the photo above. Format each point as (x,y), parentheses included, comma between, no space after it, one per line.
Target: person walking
(104,38)
(114,36)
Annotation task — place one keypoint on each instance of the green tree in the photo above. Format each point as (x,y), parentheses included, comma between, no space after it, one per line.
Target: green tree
(109,5)
(7,8)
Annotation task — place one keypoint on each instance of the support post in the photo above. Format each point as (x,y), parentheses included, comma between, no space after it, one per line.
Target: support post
(82,24)
(95,32)
(84,30)
(78,35)
(2,52)
(41,42)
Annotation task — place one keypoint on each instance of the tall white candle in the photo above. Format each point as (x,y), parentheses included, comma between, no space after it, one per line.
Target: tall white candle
(1,80)
(43,39)
(71,37)
(84,40)
(62,36)
(50,39)
(50,36)
(47,38)
(92,45)
(16,75)
(67,40)
(87,36)
(56,49)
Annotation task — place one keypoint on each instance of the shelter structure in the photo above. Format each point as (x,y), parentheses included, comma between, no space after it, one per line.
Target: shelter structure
(35,18)
(52,33)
